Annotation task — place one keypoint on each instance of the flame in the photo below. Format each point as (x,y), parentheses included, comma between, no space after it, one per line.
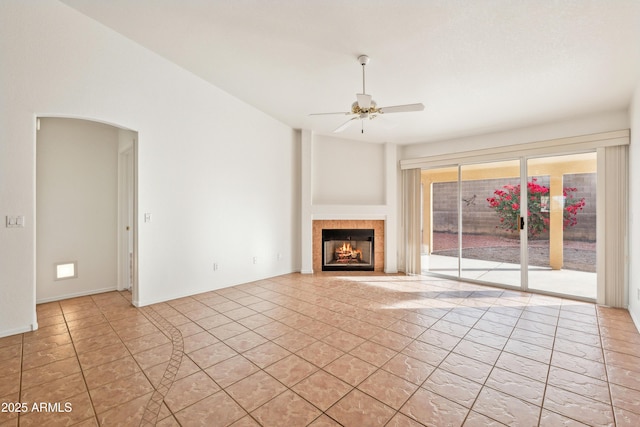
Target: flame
(347,251)
(346,254)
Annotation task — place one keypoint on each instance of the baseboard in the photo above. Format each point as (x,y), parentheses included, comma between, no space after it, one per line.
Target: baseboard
(21,330)
(150,301)
(76,294)
(636,321)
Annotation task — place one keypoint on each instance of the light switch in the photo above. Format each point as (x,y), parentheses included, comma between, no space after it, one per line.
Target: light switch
(15,221)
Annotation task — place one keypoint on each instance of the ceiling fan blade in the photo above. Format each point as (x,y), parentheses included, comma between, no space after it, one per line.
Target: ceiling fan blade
(364,101)
(401,108)
(327,114)
(344,125)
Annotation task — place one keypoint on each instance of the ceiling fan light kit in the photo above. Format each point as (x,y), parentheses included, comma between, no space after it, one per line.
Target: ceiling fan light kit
(366,108)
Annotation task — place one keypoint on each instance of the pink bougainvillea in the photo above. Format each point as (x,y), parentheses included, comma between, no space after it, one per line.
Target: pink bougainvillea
(506,203)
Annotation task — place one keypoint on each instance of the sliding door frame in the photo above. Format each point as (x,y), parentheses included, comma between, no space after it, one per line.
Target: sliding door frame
(523,152)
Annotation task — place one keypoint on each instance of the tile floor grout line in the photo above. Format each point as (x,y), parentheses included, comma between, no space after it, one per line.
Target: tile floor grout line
(75,350)
(405,346)
(323,370)
(154,405)
(397,411)
(223,389)
(21,373)
(129,353)
(493,367)
(490,371)
(429,376)
(173,414)
(297,299)
(100,309)
(550,366)
(483,385)
(546,382)
(606,371)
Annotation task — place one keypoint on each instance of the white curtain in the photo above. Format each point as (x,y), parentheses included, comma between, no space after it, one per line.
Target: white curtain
(411,220)
(616,207)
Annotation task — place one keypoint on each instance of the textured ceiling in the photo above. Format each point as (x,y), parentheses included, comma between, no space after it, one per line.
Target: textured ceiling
(478,66)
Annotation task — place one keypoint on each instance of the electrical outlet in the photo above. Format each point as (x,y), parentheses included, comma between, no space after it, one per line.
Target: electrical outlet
(255,259)
(215,266)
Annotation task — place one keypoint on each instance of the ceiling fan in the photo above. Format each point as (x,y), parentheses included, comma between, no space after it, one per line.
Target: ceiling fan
(366,108)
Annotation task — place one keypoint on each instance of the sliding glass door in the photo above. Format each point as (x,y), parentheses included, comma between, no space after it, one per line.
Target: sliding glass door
(490,231)
(561,191)
(463,235)
(526,223)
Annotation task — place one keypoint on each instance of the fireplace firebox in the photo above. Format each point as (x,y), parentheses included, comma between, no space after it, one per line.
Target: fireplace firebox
(347,250)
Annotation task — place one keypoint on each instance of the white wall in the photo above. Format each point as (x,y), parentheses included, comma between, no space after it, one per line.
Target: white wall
(76,206)
(634,209)
(348,172)
(603,122)
(212,170)
(348,180)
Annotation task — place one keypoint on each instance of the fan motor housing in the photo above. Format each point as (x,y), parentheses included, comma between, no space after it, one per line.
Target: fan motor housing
(355,108)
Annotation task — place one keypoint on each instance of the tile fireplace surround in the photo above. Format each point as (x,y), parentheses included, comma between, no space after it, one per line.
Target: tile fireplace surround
(376,225)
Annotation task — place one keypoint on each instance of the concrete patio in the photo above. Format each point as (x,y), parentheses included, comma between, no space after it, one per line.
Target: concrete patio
(566,282)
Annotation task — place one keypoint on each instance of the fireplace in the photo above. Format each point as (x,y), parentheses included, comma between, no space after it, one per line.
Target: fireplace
(348,250)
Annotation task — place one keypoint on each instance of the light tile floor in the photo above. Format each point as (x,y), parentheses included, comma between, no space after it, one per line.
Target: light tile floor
(326,350)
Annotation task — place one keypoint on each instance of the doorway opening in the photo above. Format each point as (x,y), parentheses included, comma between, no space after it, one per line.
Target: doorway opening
(127,208)
(86,196)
